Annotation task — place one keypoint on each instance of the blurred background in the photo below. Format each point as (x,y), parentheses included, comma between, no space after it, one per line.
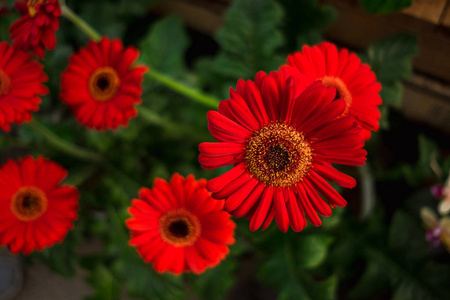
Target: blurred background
(378,247)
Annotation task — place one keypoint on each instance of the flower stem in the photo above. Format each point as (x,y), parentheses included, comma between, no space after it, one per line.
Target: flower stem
(63,145)
(192,93)
(79,22)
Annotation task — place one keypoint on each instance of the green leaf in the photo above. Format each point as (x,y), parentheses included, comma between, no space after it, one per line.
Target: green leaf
(312,250)
(103,284)
(286,270)
(214,282)
(164,46)
(304,21)
(373,281)
(392,94)
(407,235)
(414,174)
(384,6)
(248,40)
(391,58)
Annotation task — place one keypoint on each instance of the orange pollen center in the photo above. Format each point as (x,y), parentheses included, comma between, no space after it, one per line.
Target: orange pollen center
(104,83)
(32,6)
(5,83)
(29,203)
(278,155)
(179,227)
(341,89)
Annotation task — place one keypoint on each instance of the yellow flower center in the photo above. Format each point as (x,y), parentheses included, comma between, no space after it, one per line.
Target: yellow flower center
(278,155)
(179,227)
(32,6)
(5,83)
(29,203)
(341,89)
(104,83)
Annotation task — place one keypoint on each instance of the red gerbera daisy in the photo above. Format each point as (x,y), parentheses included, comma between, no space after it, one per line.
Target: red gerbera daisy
(35,30)
(37,211)
(282,144)
(179,227)
(354,81)
(102,86)
(21,81)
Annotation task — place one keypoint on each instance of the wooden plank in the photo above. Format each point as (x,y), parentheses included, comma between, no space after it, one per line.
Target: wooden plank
(427,10)
(203,16)
(356,28)
(427,101)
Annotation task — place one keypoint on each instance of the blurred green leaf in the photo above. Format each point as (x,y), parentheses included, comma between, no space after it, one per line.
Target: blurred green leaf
(312,250)
(164,46)
(392,94)
(372,282)
(6,21)
(104,284)
(248,40)
(391,58)
(407,233)
(414,174)
(384,6)
(214,282)
(286,270)
(304,21)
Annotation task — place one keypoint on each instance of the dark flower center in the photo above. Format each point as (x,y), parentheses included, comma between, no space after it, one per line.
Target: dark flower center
(179,228)
(277,158)
(29,203)
(103,84)
(278,155)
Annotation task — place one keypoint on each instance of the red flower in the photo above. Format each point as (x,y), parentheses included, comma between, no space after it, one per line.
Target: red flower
(282,143)
(179,227)
(36,210)
(354,81)
(21,81)
(35,30)
(102,86)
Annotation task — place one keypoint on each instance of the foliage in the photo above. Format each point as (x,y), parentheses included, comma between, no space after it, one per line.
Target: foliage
(385,255)
(384,6)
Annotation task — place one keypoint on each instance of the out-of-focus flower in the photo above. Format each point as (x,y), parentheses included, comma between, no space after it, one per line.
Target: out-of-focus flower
(282,143)
(35,30)
(442,192)
(354,81)
(438,230)
(179,227)
(21,86)
(36,210)
(102,86)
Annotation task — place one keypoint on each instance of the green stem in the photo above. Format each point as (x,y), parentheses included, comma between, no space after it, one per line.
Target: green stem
(176,130)
(63,145)
(179,87)
(79,22)
(185,90)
